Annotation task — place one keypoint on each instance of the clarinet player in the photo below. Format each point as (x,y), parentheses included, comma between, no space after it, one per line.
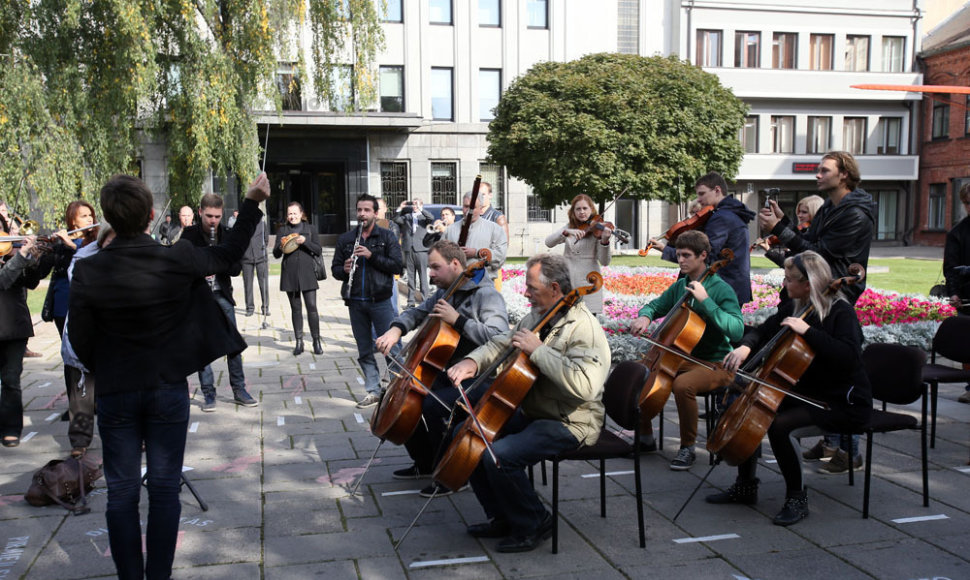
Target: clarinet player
(366,260)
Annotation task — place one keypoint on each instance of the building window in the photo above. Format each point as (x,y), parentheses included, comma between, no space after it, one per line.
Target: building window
(819,135)
(392,89)
(783,49)
(957,210)
(747,49)
(749,134)
(288,84)
(889,131)
(893,52)
(820,57)
(628,27)
(342,85)
(394,182)
(536,211)
(887,202)
(489,13)
(538,11)
(440,11)
(444,183)
(442,95)
(941,120)
(494,174)
(395,12)
(857,53)
(489,92)
(854,135)
(937,207)
(709,47)
(782,134)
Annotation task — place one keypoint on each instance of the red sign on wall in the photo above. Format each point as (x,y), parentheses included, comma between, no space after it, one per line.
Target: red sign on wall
(804,167)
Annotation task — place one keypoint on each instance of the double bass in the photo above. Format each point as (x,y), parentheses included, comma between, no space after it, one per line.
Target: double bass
(426,356)
(501,400)
(782,362)
(682,329)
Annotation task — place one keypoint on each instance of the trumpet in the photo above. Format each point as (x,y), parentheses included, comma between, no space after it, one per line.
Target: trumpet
(437,227)
(27,227)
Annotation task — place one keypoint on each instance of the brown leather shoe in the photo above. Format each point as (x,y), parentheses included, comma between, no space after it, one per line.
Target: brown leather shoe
(31,354)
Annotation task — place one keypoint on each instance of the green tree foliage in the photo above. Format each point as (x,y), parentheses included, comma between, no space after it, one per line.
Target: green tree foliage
(608,123)
(83,84)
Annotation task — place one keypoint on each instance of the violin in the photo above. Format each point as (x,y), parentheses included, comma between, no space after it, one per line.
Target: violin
(597,225)
(501,400)
(426,356)
(692,223)
(466,224)
(682,329)
(785,358)
(765,242)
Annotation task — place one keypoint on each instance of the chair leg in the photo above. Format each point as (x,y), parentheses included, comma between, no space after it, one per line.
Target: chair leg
(602,487)
(660,431)
(926,477)
(555,505)
(865,493)
(639,489)
(934,390)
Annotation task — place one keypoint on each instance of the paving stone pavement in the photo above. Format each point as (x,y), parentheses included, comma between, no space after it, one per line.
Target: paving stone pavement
(276,479)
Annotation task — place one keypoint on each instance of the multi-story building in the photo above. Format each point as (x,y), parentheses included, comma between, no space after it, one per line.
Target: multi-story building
(446,63)
(945,134)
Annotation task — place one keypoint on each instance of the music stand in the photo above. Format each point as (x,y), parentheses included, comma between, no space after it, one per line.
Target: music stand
(184,482)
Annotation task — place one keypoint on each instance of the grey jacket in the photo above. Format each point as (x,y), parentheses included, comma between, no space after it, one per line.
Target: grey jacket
(481,314)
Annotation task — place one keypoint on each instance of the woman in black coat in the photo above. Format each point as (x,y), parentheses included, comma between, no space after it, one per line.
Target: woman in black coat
(297,274)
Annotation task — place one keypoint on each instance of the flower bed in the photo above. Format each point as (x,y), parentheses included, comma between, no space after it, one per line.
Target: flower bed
(885,316)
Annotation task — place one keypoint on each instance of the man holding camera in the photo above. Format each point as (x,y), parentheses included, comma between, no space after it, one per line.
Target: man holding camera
(413,220)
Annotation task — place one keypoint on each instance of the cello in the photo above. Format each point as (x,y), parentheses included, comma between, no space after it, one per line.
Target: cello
(682,328)
(426,355)
(782,362)
(692,223)
(501,400)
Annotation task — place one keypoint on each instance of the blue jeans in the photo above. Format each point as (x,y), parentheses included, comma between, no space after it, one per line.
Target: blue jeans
(158,417)
(237,379)
(11,398)
(504,489)
(365,319)
(838,441)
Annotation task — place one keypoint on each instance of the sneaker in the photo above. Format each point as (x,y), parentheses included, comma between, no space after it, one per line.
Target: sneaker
(794,510)
(412,472)
(840,464)
(819,452)
(684,459)
(209,405)
(369,401)
(965,397)
(438,490)
(241,397)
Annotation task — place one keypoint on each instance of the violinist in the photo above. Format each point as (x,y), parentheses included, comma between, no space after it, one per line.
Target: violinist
(805,212)
(726,228)
(836,376)
(718,306)
(562,410)
(585,248)
(477,311)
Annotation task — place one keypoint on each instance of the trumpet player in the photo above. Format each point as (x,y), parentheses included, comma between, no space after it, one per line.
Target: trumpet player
(366,260)
(412,219)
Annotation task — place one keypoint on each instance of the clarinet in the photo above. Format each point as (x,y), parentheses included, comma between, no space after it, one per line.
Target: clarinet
(353,263)
(211,279)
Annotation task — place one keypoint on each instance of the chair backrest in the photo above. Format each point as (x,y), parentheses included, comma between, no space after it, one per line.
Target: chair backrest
(950,340)
(621,392)
(895,372)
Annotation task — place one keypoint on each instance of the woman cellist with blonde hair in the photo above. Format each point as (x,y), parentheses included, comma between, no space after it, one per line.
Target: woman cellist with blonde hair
(835,376)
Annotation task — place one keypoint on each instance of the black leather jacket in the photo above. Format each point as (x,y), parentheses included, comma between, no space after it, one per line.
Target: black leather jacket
(374,277)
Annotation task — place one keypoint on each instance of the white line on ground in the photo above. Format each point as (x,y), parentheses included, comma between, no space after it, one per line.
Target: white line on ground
(706,538)
(280,421)
(298,400)
(359,417)
(360,380)
(608,473)
(405,492)
(963,469)
(28,437)
(313,366)
(194,427)
(448,562)
(47,384)
(771,461)
(52,416)
(921,519)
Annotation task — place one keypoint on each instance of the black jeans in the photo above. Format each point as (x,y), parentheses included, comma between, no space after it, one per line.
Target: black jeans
(11,399)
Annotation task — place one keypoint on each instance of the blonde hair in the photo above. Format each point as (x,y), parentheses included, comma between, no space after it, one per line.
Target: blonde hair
(811,203)
(812,267)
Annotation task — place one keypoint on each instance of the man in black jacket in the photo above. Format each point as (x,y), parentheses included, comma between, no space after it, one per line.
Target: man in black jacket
(841,230)
(956,266)
(367,270)
(208,232)
(142,318)
(413,221)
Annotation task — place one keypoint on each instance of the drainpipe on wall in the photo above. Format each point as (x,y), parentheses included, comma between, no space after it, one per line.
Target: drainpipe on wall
(690,8)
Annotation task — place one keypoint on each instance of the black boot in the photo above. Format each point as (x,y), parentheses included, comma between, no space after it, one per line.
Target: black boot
(742,492)
(794,510)
(299,347)
(317,347)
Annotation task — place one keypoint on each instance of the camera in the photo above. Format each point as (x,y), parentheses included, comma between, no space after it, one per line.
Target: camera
(769,193)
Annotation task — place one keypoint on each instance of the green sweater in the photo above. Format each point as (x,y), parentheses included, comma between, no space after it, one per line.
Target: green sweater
(721,312)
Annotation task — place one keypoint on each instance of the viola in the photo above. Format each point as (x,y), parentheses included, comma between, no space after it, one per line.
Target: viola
(765,242)
(426,356)
(466,221)
(782,362)
(681,330)
(692,223)
(597,225)
(501,400)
